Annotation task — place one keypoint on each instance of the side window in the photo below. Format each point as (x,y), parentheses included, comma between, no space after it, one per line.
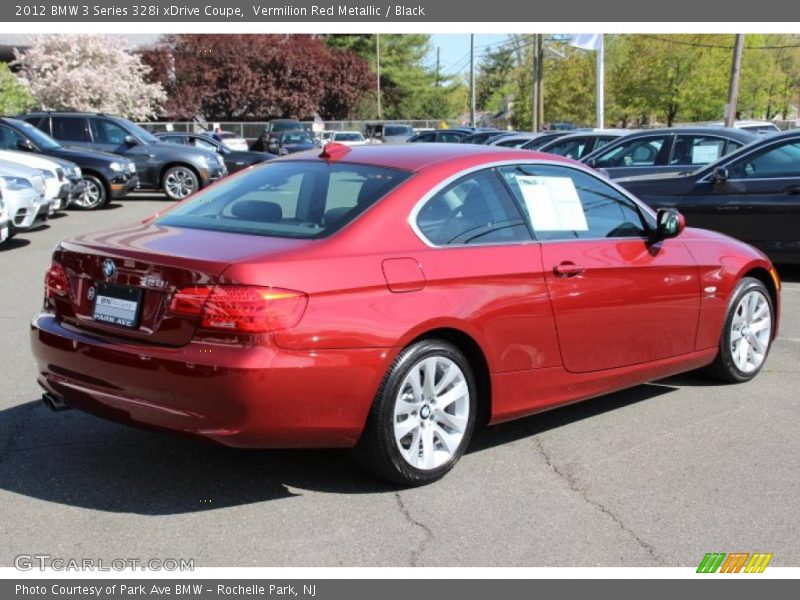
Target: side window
(777,162)
(449,137)
(475,209)
(71,129)
(572,148)
(106,132)
(201,143)
(425,137)
(696,150)
(567,204)
(9,138)
(641,152)
(601,142)
(40,122)
(173,139)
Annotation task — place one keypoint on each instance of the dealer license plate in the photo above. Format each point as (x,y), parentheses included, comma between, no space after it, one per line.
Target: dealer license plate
(117,304)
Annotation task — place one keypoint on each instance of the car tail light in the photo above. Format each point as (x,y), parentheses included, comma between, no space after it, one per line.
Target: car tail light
(245,309)
(55,281)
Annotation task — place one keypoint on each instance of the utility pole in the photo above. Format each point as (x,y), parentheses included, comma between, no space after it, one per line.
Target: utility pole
(537,87)
(534,87)
(472,79)
(600,83)
(378,63)
(438,49)
(733,88)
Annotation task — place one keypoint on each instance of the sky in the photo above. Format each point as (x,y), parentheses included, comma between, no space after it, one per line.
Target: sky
(455,50)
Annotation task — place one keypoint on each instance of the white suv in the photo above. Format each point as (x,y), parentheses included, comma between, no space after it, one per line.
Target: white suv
(22,189)
(57,186)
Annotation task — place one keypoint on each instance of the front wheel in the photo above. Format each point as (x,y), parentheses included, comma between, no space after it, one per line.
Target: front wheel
(747,333)
(95,194)
(179,182)
(423,416)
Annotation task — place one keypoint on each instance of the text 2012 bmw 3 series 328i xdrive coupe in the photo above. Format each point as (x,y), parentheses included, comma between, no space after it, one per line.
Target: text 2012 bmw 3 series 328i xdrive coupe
(390,299)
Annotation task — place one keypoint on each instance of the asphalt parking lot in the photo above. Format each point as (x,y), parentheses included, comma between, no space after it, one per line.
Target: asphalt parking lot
(653,476)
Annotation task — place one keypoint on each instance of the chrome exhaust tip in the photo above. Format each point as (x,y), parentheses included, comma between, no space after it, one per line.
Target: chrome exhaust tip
(55,404)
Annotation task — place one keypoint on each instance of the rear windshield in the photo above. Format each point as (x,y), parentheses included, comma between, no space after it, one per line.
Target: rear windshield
(348,137)
(293,199)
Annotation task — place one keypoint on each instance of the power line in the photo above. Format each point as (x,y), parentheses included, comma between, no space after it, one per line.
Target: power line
(719,46)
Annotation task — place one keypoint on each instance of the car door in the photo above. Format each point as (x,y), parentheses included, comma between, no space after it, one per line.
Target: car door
(618,299)
(641,155)
(107,136)
(71,130)
(758,202)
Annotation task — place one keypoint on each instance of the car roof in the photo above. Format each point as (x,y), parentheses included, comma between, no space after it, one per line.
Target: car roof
(416,157)
(731,132)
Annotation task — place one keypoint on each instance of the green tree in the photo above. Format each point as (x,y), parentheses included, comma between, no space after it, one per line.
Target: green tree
(14,94)
(493,80)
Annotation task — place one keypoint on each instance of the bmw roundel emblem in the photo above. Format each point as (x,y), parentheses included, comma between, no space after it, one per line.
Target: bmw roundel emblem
(109,268)
(90,293)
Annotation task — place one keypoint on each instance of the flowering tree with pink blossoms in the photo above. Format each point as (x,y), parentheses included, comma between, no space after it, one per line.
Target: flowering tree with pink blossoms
(94,73)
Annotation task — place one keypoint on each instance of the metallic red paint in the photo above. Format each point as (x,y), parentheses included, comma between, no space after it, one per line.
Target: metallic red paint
(629,311)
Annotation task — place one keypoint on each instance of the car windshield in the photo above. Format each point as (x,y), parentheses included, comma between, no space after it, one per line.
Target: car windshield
(294,199)
(398,130)
(141,133)
(37,136)
(296,138)
(348,137)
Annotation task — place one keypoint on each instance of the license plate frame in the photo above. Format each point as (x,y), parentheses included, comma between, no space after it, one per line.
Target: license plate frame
(118,305)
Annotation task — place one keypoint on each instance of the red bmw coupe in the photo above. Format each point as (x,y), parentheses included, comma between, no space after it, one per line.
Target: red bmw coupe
(390,299)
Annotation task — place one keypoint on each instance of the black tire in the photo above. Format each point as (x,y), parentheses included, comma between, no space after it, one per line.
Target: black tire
(378,451)
(179,182)
(724,366)
(95,196)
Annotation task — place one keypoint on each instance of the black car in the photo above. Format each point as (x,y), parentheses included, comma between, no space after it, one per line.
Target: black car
(544,137)
(274,128)
(752,194)
(446,136)
(667,150)
(235,160)
(480,136)
(176,170)
(104,176)
(290,142)
(578,145)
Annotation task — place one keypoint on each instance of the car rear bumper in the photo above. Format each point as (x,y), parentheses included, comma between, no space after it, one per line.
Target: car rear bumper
(254,396)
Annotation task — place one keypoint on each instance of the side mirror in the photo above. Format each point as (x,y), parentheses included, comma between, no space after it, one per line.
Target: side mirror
(669,223)
(130,140)
(25,145)
(720,176)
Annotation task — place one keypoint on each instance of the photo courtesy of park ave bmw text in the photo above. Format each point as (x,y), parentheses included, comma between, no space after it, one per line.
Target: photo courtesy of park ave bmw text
(333,300)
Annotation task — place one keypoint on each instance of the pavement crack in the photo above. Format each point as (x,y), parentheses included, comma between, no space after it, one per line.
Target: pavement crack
(574,485)
(415,554)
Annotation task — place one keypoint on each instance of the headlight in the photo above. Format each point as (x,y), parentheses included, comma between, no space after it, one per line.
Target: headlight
(14,184)
(115,166)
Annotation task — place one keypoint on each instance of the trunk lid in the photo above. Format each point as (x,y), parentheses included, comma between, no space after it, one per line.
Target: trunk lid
(149,263)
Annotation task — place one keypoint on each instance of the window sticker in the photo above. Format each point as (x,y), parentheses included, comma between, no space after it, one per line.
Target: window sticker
(553,203)
(705,154)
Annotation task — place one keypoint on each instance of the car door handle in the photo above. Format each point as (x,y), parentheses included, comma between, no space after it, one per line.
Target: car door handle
(568,269)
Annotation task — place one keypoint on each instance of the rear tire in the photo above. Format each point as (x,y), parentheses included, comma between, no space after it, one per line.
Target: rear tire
(746,334)
(423,416)
(95,195)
